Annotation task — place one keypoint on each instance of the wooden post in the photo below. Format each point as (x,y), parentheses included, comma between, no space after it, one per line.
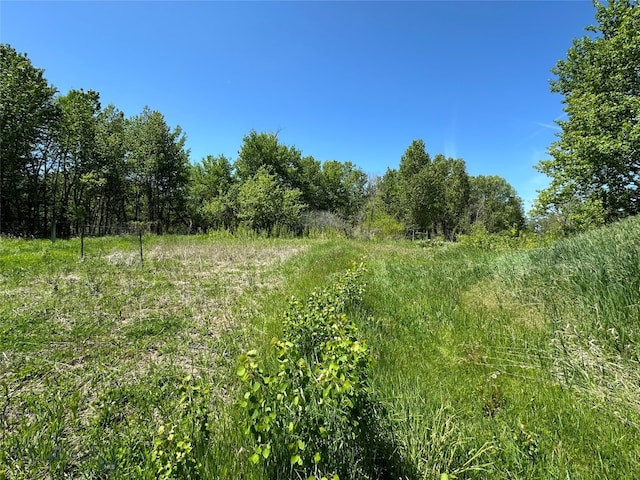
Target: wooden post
(140,242)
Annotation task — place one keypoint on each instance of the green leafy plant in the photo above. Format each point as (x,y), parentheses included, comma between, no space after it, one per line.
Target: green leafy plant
(313,415)
(178,445)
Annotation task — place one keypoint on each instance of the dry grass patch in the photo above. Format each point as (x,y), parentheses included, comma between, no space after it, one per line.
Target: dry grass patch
(492,297)
(108,329)
(605,378)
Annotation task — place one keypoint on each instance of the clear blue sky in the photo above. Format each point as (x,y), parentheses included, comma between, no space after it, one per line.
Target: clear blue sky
(348,81)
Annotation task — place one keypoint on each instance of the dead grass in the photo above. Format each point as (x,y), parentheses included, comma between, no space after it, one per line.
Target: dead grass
(607,379)
(110,321)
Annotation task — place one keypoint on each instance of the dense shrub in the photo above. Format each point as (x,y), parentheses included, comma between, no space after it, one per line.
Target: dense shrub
(313,416)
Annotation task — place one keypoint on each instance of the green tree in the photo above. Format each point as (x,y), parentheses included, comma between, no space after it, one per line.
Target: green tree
(388,191)
(416,188)
(210,183)
(451,175)
(427,195)
(77,173)
(263,203)
(574,216)
(342,189)
(493,202)
(160,170)
(263,150)
(112,172)
(27,111)
(596,160)
(414,159)
(310,182)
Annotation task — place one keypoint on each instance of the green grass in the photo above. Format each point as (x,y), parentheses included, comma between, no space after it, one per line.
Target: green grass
(519,356)
(510,364)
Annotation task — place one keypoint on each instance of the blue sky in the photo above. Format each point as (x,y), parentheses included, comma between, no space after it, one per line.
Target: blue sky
(349,81)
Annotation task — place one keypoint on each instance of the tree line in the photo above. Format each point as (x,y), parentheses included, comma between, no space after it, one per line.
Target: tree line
(69,166)
(438,197)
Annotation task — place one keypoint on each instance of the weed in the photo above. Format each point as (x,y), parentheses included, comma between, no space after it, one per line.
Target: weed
(314,416)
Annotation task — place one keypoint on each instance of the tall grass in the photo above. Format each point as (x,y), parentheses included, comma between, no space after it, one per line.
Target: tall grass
(588,287)
(511,364)
(491,363)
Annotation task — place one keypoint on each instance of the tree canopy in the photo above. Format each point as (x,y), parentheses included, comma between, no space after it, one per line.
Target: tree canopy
(595,164)
(438,197)
(27,113)
(70,166)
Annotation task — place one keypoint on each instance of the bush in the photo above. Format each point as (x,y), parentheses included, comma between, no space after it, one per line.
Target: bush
(479,237)
(314,416)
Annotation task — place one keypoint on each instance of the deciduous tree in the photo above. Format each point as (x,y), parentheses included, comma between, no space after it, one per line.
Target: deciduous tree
(494,203)
(263,150)
(160,170)
(78,175)
(263,203)
(27,112)
(596,159)
(210,182)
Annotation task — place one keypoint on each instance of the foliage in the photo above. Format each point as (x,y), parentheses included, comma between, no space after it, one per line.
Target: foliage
(595,161)
(70,167)
(27,114)
(314,417)
(342,189)
(263,203)
(494,204)
(572,217)
(264,151)
(438,197)
(160,165)
(77,163)
(377,223)
(456,194)
(419,188)
(115,172)
(210,197)
(514,238)
(389,194)
(176,447)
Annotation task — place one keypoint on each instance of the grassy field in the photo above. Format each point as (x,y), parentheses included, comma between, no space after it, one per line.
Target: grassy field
(487,364)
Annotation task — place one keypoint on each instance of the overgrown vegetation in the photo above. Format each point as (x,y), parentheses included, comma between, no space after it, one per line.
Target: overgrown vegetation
(455,361)
(313,416)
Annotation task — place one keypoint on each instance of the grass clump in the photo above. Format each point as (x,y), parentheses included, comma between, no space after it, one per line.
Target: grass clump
(588,287)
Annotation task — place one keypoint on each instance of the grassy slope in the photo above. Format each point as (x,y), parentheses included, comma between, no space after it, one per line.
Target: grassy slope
(492,365)
(530,358)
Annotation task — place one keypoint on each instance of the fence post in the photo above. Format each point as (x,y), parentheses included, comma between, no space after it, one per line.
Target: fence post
(140,242)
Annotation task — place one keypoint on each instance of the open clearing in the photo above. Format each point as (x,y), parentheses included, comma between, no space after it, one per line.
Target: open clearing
(490,364)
